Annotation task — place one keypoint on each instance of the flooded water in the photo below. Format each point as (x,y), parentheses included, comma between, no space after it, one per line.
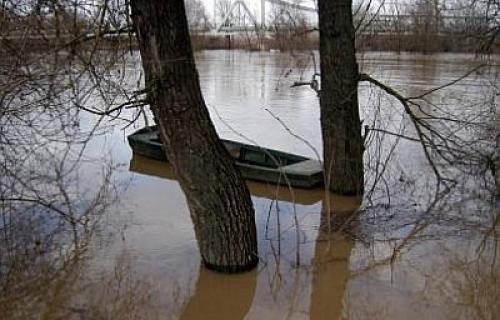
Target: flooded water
(322,256)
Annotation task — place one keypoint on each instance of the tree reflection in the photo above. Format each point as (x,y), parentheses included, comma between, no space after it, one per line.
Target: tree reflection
(219,296)
(479,289)
(50,209)
(331,260)
(468,284)
(70,291)
(160,169)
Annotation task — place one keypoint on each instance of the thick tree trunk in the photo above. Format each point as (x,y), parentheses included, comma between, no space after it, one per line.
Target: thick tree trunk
(218,199)
(340,122)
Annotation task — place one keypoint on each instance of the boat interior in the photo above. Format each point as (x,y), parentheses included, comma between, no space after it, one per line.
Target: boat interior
(255,155)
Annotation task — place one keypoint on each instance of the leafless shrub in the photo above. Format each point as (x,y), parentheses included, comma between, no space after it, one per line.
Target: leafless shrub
(287,23)
(56,62)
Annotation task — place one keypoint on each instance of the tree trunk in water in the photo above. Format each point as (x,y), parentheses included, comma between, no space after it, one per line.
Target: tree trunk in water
(340,122)
(217,196)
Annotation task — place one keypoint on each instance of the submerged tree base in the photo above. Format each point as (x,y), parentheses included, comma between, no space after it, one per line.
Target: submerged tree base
(232,268)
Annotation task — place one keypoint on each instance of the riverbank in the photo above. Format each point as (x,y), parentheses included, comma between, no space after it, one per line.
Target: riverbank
(421,43)
(287,41)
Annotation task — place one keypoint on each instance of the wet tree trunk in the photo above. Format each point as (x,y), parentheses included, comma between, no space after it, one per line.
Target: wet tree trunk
(340,122)
(217,196)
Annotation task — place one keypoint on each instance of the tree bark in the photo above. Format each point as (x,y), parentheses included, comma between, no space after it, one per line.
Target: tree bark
(217,196)
(340,122)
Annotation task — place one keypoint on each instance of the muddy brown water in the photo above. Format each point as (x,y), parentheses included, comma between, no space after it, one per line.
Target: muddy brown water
(311,268)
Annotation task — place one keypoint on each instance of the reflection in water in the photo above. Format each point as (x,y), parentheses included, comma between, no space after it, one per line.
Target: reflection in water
(219,296)
(44,243)
(310,268)
(476,285)
(330,266)
(117,294)
(230,297)
(70,291)
(299,277)
(49,290)
(151,167)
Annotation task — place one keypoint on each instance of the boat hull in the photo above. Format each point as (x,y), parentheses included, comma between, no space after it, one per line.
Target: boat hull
(255,163)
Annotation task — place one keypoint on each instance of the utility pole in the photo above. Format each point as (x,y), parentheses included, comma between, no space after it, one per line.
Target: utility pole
(215,14)
(263,14)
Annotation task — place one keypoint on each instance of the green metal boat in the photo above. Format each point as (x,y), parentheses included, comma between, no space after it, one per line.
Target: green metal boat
(255,163)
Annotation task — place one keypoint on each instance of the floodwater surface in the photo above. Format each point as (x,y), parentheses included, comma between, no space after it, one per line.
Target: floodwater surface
(322,256)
